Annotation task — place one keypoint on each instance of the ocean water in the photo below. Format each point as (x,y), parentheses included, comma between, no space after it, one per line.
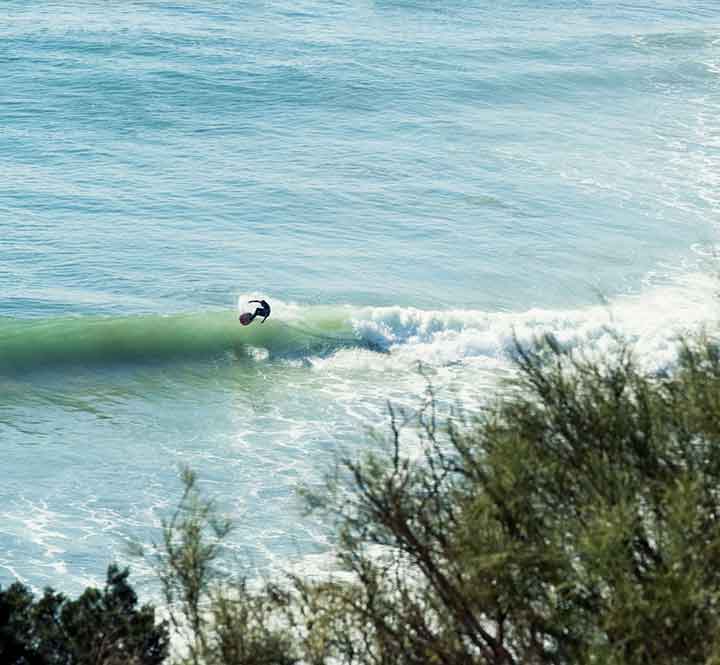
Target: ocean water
(406,181)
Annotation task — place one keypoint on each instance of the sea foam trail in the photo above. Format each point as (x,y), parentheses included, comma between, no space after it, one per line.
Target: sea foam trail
(651,321)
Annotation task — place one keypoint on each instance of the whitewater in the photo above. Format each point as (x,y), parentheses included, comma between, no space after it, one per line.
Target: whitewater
(414,186)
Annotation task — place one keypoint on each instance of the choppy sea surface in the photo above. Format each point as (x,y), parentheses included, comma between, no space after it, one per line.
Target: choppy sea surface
(406,181)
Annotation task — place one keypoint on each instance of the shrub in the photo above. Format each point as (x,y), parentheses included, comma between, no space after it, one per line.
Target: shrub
(216,620)
(574,522)
(98,628)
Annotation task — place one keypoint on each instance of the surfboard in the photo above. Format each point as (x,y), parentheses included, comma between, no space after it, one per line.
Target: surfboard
(246,318)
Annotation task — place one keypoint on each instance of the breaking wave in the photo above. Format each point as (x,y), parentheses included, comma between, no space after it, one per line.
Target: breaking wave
(651,320)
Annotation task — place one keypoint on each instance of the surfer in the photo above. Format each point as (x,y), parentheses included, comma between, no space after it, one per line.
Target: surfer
(264,310)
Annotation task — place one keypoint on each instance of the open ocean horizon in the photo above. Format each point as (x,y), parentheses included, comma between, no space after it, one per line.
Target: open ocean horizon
(405,181)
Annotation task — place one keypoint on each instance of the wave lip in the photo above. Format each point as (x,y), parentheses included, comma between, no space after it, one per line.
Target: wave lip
(102,341)
(27,346)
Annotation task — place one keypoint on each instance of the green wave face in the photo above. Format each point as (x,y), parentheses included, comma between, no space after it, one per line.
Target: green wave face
(27,346)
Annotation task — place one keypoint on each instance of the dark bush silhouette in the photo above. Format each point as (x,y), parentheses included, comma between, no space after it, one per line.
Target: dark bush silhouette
(98,628)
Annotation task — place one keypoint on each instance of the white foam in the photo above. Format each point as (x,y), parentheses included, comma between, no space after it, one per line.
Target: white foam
(651,321)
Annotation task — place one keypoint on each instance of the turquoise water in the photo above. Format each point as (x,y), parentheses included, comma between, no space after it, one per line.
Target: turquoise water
(405,181)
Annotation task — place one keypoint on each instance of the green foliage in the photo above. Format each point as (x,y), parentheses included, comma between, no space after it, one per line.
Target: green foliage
(243,630)
(98,628)
(216,620)
(185,563)
(574,521)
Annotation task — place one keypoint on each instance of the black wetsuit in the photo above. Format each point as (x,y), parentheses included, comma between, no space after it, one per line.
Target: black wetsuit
(263,310)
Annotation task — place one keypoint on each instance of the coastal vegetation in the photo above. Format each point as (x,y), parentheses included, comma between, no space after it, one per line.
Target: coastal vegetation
(574,520)
(98,628)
